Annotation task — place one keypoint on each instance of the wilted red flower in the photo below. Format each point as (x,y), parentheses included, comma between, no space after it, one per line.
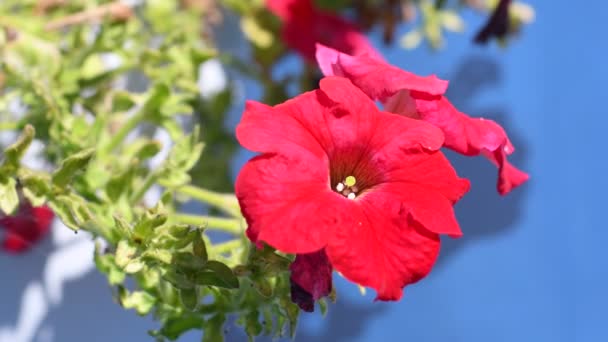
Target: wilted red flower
(310,279)
(28,226)
(422,98)
(498,24)
(304,25)
(335,173)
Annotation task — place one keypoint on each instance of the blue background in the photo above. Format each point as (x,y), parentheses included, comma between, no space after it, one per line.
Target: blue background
(531,266)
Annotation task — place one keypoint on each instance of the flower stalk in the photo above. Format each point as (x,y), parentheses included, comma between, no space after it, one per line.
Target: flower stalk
(227,225)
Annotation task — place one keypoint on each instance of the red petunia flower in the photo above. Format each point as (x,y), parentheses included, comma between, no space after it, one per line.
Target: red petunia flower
(28,226)
(335,173)
(422,98)
(304,25)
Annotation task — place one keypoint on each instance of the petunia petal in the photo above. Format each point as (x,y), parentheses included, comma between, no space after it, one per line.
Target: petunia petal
(472,136)
(509,177)
(378,79)
(327,59)
(284,129)
(314,122)
(287,202)
(421,98)
(427,186)
(381,247)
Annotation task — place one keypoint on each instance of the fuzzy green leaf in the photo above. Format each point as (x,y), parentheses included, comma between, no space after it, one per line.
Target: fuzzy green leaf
(9,199)
(70,166)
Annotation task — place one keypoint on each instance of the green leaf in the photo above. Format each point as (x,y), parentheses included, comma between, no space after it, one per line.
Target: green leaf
(161,255)
(150,221)
(451,21)
(178,279)
(412,39)
(31,56)
(122,101)
(70,166)
(212,330)
(149,150)
(179,231)
(36,186)
(159,93)
(189,298)
(69,211)
(15,152)
(175,327)
(217,274)
(188,262)
(263,287)
(267,313)
(105,263)
(198,247)
(134,266)
(124,253)
(141,301)
(122,226)
(252,325)
(9,199)
(323,306)
(92,67)
(257,34)
(120,183)
(292,312)
(149,279)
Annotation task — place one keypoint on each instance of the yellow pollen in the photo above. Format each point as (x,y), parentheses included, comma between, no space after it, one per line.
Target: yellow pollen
(350,181)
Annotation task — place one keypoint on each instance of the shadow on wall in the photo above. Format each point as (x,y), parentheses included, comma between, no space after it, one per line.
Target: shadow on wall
(483,213)
(344,322)
(18,271)
(88,310)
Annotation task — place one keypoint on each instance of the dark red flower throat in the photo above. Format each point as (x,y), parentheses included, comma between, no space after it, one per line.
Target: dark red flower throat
(352,171)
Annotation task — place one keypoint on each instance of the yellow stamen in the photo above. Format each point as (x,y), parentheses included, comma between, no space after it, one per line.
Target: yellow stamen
(350,181)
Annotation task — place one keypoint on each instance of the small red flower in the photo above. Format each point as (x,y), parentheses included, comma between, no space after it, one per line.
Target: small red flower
(304,25)
(335,173)
(24,229)
(422,98)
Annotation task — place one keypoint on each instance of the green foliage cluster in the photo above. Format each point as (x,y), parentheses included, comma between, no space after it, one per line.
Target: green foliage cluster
(97,137)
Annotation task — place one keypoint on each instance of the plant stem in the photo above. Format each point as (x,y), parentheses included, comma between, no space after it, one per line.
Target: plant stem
(228,225)
(124,130)
(226,246)
(148,182)
(8,126)
(225,202)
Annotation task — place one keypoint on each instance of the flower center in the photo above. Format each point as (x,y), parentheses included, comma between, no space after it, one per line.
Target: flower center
(353,171)
(348,187)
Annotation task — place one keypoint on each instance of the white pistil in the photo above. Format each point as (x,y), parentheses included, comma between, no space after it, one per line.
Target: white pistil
(351,196)
(340,187)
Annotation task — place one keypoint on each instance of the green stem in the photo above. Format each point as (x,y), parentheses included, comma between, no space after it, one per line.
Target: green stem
(148,182)
(9,126)
(225,202)
(226,246)
(124,130)
(228,225)
(439,4)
